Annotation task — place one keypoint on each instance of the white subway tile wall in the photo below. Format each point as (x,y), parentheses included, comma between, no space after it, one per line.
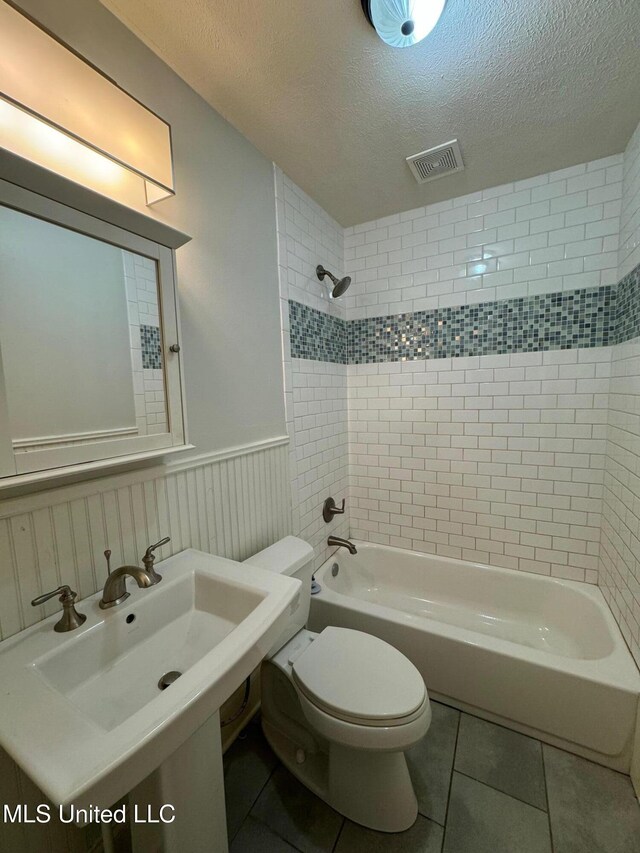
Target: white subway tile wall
(629,252)
(320,451)
(307,236)
(620,547)
(511,460)
(315,391)
(555,232)
(495,459)
(148,383)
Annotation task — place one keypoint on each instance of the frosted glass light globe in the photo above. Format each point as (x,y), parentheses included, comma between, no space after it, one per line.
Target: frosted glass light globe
(401,23)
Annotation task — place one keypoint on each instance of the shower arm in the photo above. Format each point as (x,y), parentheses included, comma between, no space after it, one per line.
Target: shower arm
(321,272)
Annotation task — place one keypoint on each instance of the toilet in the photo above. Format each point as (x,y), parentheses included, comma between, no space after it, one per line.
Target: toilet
(340,707)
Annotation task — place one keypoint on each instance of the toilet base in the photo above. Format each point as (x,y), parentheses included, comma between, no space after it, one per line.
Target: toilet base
(371,788)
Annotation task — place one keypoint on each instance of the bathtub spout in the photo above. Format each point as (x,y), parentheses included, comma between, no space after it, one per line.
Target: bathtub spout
(342,543)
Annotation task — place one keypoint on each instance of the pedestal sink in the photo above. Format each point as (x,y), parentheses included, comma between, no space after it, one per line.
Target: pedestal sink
(85,714)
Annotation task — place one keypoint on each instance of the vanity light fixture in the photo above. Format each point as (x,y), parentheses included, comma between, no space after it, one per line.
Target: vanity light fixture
(61,113)
(401,23)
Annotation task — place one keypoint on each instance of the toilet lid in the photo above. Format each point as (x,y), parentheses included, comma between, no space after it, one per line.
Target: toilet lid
(358,676)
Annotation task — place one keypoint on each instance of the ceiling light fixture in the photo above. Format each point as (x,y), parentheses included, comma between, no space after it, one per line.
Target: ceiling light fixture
(401,23)
(61,113)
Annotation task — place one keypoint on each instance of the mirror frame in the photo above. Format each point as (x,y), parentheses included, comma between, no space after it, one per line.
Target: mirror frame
(74,208)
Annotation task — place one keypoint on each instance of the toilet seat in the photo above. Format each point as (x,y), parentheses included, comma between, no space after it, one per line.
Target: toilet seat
(359,679)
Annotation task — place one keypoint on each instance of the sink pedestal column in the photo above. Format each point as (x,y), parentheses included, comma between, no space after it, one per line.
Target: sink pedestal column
(191,781)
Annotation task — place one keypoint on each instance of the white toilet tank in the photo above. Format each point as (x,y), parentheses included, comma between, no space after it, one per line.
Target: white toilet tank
(294,557)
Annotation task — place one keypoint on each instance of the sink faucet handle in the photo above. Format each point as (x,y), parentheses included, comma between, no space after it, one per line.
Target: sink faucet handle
(149,552)
(70,618)
(64,592)
(149,557)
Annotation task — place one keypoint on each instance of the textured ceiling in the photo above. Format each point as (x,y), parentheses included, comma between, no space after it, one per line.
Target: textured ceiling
(527,86)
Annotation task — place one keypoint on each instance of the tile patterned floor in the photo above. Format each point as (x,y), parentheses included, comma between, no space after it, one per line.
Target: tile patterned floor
(481,788)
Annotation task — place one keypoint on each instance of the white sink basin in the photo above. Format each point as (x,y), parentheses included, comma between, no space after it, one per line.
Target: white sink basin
(114,672)
(82,713)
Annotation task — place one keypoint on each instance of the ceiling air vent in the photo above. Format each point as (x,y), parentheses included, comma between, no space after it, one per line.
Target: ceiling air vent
(436,162)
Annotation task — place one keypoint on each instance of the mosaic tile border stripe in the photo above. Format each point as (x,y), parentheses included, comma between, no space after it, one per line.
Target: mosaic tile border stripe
(577,318)
(581,318)
(627,318)
(151,348)
(317,335)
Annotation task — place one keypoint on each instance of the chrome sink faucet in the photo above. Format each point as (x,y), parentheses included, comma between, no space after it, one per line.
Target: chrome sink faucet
(342,543)
(115,589)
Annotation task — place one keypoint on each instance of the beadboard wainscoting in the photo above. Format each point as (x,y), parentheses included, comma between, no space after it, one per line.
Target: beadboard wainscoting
(231,504)
(54,837)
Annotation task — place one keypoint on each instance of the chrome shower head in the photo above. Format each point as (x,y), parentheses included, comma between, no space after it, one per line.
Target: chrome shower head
(340,286)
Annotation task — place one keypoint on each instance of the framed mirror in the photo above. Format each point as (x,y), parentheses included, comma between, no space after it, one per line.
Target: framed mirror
(89,341)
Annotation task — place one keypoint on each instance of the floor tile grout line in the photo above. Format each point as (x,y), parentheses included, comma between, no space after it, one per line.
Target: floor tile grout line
(566,751)
(340,831)
(271,830)
(453,764)
(499,790)
(546,793)
(255,800)
(458,740)
(542,742)
(494,723)
(431,819)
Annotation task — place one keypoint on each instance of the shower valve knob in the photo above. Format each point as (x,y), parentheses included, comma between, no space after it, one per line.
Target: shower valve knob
(329,509)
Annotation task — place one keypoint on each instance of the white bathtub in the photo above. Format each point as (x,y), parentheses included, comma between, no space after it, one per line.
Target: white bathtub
(539,655)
